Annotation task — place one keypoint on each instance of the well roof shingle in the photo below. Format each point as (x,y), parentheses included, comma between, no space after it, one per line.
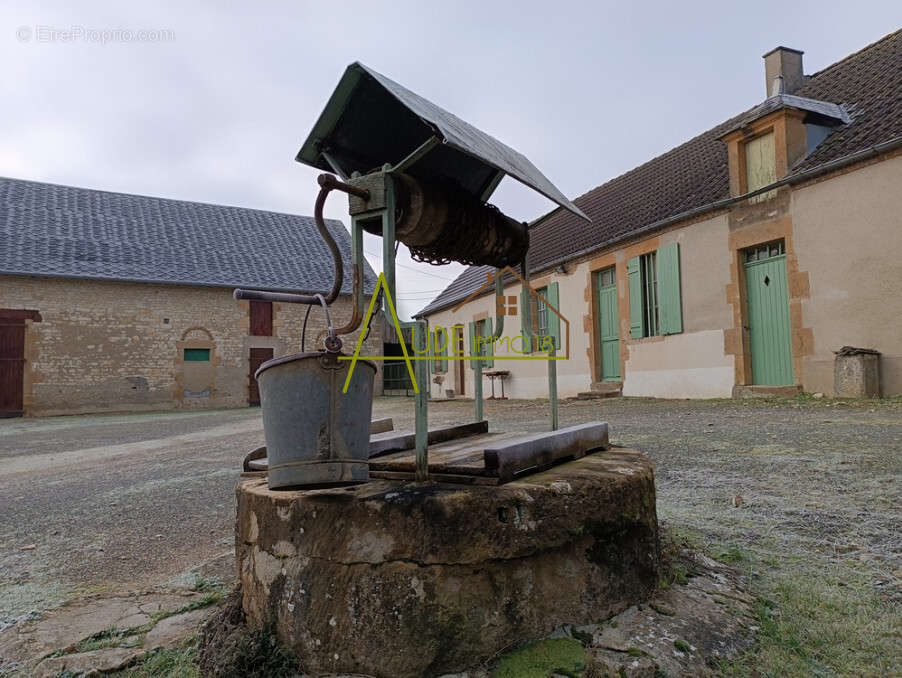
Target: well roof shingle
(868,84)
(63,231)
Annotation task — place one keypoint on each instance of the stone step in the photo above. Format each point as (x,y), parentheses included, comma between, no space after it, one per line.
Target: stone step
(596,395)
(615,387)
(767,391)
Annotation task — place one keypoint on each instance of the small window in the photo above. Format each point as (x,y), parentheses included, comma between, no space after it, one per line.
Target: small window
(542,312)
(766,251)
(261,318)
(607,277)
(481,337)
(649,271)
(197,355)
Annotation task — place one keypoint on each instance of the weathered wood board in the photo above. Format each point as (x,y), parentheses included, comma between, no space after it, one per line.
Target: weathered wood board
(492,458)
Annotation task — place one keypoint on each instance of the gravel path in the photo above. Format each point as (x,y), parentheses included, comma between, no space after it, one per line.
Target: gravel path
(119,502)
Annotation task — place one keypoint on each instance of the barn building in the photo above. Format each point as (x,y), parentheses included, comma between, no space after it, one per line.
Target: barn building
(738,262)
(116,302)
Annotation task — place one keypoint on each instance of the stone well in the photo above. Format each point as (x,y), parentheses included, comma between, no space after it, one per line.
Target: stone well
(399,580)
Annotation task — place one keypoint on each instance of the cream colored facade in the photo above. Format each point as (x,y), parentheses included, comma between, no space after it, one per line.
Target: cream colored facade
(117,346)
(843,239)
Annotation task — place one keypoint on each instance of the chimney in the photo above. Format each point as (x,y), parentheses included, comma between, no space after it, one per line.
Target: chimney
(785,63)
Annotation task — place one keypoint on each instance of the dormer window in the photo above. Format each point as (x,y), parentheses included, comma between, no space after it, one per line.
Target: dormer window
(766,143)
(760,165)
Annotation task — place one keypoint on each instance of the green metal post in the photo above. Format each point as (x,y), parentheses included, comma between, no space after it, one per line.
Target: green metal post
(421,411)
(552,389)
(477,388)
(357,263)
(552,364)
(388,239)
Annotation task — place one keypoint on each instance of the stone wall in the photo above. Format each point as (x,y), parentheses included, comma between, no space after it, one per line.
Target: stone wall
(106,346)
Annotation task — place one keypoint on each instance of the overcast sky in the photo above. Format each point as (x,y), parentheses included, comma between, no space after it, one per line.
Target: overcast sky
(216,113)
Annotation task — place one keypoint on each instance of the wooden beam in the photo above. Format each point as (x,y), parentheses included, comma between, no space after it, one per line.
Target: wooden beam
(544,449)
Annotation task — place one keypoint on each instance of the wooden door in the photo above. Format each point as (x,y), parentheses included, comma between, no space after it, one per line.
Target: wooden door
(609,337)
(12,366)
(258,356)
(459,364)
(767,299)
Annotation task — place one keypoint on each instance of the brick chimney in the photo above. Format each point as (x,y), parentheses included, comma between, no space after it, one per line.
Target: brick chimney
(783,62)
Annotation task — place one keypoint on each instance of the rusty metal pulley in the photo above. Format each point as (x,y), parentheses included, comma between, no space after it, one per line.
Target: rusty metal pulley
(440,223)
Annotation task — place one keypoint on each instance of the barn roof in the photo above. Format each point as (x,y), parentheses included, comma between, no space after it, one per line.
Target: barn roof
(696,174)
(63,231)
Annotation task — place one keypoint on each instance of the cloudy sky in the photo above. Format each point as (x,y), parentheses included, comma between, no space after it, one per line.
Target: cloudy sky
(216,110)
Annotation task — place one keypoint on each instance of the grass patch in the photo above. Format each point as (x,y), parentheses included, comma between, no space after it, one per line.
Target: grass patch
(133,637)
(682,646)
(564,656)
(810,627)
(208,599)
(109,637)
(229,649)
(731,555)
(166,663)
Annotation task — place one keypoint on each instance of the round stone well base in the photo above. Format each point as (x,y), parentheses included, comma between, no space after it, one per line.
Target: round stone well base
(401,580)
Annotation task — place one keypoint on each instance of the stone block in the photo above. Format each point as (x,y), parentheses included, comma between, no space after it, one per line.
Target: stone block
(405,580)
(857,375)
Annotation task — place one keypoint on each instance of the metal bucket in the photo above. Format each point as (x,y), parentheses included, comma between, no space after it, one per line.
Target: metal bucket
(316,436)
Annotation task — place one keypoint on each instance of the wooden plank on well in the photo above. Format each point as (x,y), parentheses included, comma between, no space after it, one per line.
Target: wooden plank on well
(384,443)
(544,449)
(381,425)
(464,456)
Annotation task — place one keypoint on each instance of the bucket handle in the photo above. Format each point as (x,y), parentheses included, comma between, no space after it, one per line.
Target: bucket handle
(332,342)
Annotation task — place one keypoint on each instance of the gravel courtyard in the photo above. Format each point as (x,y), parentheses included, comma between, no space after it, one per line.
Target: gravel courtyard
(802,495)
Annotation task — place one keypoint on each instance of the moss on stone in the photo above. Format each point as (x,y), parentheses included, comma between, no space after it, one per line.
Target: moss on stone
(565,656)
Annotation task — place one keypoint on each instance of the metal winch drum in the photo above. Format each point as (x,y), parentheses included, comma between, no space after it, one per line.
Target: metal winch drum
(316,436)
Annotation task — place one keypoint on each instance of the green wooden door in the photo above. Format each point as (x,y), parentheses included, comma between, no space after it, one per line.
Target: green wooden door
(607,325)
(768,316)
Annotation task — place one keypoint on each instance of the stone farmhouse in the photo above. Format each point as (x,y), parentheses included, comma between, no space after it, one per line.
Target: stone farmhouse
(116,302)
(734,263)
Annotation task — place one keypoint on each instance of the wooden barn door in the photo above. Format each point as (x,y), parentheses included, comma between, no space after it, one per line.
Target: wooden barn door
(12,366)
(258,356)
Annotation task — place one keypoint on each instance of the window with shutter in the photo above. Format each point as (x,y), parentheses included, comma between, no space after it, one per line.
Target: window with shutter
(553,324)
(261,318)
(637,314)
(441,338)
(530,301)
(488,348)
(656,305)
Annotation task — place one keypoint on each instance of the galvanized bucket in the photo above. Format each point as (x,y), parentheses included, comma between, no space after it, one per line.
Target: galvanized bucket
(316,436)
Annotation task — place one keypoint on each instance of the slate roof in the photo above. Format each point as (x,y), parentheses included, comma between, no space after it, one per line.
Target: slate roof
(63,231)
(868,85)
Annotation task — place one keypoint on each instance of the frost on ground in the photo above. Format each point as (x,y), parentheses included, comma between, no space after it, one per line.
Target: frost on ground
(802,496)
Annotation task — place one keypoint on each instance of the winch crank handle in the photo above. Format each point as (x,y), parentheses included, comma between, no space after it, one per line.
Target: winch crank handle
(327,183)
(331,343)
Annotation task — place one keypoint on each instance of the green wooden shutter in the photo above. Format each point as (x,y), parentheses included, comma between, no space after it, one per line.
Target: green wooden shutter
(670,303)
(554,321)
(524,300)
(637,318)
(489,347)
(471,344)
